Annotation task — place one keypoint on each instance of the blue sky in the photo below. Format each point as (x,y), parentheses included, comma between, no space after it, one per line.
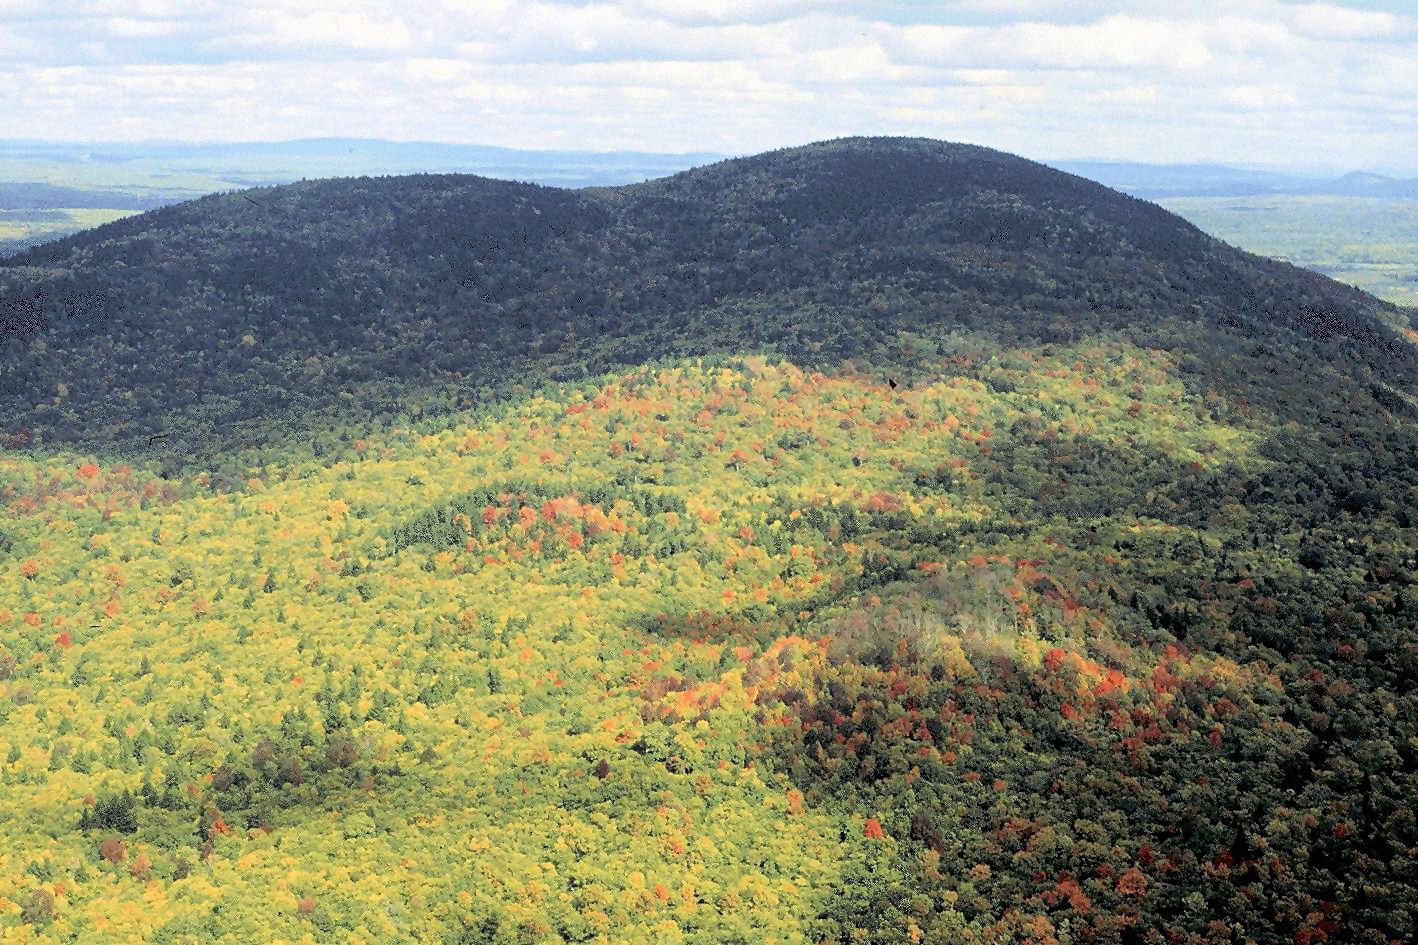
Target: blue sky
(1281,83)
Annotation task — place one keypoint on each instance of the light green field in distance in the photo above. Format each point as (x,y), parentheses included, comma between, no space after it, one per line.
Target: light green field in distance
(22,228)
(1369,242)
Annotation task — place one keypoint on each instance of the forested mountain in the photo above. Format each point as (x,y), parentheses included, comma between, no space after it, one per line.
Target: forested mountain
(883,540)
(344,298)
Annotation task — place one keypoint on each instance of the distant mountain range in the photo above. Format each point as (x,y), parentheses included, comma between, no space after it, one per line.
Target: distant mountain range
(149,174)
(36,175)
(1156,181)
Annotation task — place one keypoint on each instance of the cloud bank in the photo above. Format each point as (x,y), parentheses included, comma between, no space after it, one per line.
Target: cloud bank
(1241,81)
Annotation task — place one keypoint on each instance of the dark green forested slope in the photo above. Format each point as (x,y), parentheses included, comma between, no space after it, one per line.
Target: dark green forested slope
(350,298)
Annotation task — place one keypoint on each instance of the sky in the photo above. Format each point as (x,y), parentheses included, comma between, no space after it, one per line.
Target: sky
(1278,83)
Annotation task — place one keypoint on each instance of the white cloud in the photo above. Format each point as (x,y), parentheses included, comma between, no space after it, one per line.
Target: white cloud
(145,9)
(332,29)
(15,10)
(141,29)
(1040,77)
(1259,97)
(1116,42)
(1130,95)
(930,43)
(1236,38)
(855,64)
(438,71)
(1327,21)
(727,11)
(1389,73)
(545,32)
(17,47)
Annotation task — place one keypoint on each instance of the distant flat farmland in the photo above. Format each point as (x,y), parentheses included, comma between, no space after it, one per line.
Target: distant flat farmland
(51,189)
(23,228)
(1369,242)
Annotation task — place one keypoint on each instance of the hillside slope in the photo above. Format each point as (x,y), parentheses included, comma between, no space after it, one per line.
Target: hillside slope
(1060,586)
(223,320)
(723,652)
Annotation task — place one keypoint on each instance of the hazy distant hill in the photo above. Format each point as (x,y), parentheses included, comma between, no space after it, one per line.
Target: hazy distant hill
(171,170)
(1156,181)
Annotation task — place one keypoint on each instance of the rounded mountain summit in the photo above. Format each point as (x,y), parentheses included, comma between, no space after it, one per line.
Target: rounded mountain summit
(223,320)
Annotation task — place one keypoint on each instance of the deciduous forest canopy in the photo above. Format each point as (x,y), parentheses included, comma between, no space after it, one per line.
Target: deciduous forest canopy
(882,540)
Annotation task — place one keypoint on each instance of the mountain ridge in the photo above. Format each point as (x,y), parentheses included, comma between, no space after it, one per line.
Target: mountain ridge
(820,253)
(880,541)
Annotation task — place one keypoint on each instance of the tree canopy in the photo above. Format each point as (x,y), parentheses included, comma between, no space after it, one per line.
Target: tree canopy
(1004,625)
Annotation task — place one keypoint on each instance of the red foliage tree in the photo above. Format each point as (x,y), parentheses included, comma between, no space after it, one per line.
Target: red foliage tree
(1132,883)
